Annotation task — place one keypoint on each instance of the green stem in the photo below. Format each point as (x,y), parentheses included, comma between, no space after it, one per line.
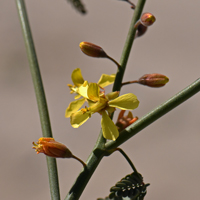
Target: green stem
(99,150)
(129,82)
(155,114)
(128,159)
(112,59)
(86,173)
(128,44)
(40,95)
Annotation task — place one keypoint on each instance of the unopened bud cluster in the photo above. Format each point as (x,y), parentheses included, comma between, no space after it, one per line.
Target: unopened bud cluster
(147,19)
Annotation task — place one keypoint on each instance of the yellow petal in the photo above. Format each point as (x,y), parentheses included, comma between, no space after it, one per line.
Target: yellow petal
(109,129)
(112,95)
(106,80)
(82,90)
(125,102)
(77,96)
(77,77)
(73,107)
(93,92)
(78,118)
(98,106)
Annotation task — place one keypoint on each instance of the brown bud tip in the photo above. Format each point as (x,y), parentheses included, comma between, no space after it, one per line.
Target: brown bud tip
(153,80)
(147,19)
(92,50)
(141,30)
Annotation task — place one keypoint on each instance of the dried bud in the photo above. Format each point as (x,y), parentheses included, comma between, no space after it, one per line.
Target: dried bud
(51,148)
(141,30)
(153,80)
(147,19)
(124,121)
(92,50)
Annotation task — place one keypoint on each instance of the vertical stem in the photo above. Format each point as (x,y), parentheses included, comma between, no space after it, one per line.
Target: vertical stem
(40,95)
(87,172)
(128,44)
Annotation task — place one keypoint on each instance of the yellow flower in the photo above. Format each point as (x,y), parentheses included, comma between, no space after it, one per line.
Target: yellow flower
(104,105)
(51,148)
(80,87)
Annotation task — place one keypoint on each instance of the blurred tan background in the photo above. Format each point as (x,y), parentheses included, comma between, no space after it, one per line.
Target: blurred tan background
(166,152)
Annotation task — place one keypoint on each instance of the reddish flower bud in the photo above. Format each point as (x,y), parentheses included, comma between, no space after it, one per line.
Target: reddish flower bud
(92,50)
(153,80)
(51,148)
(147,19)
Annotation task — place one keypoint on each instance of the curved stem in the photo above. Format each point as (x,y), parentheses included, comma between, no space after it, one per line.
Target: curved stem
(118,65)
(155,114)
(128,159)
(84,165)
(40,95)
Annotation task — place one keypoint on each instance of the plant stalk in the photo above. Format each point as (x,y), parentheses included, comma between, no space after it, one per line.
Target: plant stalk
(40,95)
(128,44)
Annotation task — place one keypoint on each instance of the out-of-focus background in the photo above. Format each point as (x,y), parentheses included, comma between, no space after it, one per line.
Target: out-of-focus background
(166,152)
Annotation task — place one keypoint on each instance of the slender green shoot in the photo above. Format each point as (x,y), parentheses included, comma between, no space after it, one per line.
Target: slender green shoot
(40,95)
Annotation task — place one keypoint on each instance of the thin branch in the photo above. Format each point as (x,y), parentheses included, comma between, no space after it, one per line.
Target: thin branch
(112,59)
(128,44)
(155,114)
(86,173)
(129,82)
(128,159)
(40,95)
